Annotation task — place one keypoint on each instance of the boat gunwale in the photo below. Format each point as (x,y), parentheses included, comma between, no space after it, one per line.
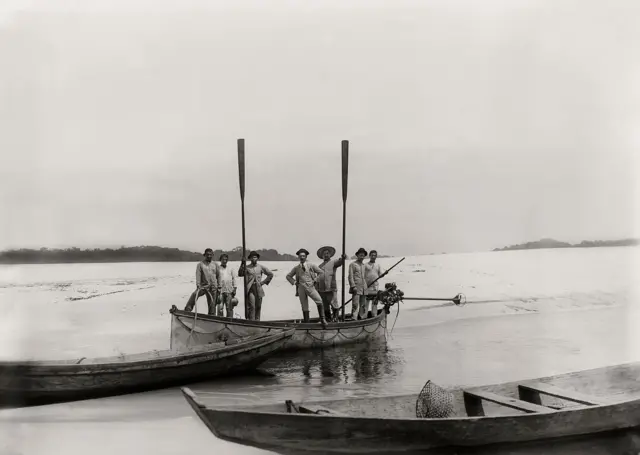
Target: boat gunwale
(37,367)
(282,324)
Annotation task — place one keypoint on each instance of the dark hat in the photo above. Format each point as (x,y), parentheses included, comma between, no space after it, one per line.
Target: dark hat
(361,250)
(302,250)
(252,254)
(332,251)
(207,250)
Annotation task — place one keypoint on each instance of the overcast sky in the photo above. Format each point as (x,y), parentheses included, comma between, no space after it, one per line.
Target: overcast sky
(472,124)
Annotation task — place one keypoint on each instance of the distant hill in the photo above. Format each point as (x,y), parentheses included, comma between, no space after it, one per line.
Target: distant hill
(551,243)
(125,254)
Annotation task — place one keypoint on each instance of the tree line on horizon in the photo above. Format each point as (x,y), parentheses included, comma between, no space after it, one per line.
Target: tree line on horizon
(125,254)
(552,243)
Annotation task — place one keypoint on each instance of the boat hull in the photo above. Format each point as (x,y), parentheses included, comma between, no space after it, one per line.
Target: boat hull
(36,383)
(187,329)
(371,430)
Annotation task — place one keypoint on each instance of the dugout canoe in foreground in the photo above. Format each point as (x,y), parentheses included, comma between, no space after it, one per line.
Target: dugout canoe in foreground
(545,409)
(42,382)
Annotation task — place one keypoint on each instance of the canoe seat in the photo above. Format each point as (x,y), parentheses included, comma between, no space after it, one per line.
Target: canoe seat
(531,392)
(473,403)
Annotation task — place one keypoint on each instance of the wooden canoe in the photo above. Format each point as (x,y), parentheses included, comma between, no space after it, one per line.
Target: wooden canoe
(544,409)
(189,329)
(40,382)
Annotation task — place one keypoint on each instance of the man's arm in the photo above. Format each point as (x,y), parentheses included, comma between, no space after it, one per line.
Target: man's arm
(352,281)
(199,275)
(269,274)
(339,262)
(290,276)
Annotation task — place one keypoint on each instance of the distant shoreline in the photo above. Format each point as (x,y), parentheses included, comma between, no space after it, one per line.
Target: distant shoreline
(124,254)
(164,254)
(551,243)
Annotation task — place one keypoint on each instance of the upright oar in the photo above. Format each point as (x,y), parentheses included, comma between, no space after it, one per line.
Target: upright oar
(244,244)
(345,179)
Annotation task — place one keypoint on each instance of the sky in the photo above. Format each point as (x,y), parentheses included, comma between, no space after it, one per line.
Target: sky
(472,125)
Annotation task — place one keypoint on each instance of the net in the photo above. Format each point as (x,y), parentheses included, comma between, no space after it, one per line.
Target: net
(434,402)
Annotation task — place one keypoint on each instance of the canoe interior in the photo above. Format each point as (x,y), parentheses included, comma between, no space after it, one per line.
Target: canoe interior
(179,352)
(613,384)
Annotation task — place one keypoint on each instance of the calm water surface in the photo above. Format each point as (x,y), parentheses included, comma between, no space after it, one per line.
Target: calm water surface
(529,314)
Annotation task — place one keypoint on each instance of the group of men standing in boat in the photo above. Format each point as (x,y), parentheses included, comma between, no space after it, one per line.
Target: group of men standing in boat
(316,282)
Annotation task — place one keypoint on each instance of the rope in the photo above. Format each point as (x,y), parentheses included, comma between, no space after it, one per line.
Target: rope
(226,327)
(309,333)
(195,311)
(394,321)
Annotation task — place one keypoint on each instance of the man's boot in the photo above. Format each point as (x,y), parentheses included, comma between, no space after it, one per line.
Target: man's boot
(305,316)
(323,320)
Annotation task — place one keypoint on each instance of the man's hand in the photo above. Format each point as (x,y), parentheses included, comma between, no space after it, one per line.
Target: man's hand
(343,257)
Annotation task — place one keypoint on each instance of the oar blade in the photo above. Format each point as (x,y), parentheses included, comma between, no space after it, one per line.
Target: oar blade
(345,168)
(241,166)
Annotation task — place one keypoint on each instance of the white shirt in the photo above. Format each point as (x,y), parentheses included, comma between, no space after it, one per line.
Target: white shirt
(227,279)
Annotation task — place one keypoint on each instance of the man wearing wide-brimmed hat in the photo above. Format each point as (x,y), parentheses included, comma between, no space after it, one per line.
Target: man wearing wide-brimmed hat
(207,274)
(358,285)
(327,286)
(254,272)
(306,276)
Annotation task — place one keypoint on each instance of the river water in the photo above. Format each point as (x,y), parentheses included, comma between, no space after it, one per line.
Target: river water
(529,314)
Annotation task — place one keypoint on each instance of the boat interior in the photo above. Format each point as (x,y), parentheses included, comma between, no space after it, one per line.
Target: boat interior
(142,356)
(602,386)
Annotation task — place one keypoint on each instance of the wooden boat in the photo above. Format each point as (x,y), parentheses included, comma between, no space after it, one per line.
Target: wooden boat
(566,405)
(191,329)
(40,382)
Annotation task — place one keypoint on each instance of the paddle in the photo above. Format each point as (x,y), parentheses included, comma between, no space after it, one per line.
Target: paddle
(459,299)
(374,281)
(244,244)
(345,179)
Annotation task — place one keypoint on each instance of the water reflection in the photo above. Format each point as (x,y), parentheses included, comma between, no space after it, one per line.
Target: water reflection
(612,443)
(625,442)
(358,364)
